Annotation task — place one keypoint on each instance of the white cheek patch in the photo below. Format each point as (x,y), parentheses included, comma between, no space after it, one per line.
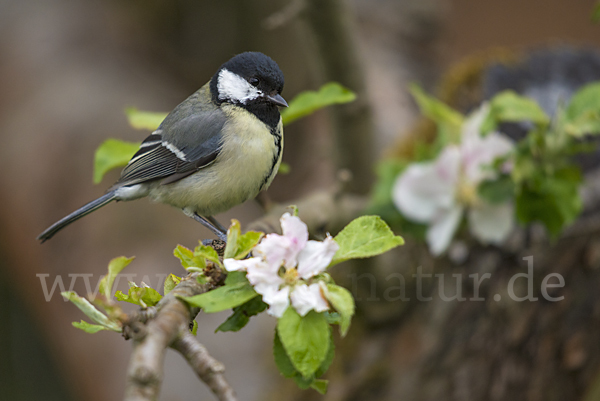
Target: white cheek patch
(235,88)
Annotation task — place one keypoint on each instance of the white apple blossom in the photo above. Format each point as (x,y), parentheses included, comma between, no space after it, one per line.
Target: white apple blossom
(308,297)
(439,192)
(283,267)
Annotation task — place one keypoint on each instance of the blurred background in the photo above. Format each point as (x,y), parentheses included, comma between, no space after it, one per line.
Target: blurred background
(68,69)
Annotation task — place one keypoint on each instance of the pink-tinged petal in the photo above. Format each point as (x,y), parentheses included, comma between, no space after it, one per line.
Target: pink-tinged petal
(424,188)
(306,298)
(491,223)
(274,249)
(296,231)
(479,152)
(236,265)
(294,228)
(442,229)
(316,256)
(475,148)
(447,166)
(283,249)
(278,301)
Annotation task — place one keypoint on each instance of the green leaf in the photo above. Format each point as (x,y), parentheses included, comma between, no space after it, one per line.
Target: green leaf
(233,233)
(207,252)
(333,317)
(303,382)
(242,314)
(508,106)
(320,385)
(284,168)
(88,327)
(364,237)
(282,360)
(194,328)
(287,369)
(586,124)
(142,296)
(236,277)
(90,311)
(342,301)
(171,282)
(328,358)
(497,191)
(226,297)
(582,116)
(448,120)
(147,120)
(552,200)
(238,245)
(246,242)
(111,154)
(310,101)
(185,255)
(489,124)
(149,297)
(188,259)
(115,267)
(305,339)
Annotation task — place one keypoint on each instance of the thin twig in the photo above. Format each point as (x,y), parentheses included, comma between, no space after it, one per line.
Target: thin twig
(166,325)
(145,372)
(208,369)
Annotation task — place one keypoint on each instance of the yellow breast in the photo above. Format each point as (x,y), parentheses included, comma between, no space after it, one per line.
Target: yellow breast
(246,164)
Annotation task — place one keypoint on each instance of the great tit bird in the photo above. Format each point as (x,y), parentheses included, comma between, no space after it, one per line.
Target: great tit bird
(218,148)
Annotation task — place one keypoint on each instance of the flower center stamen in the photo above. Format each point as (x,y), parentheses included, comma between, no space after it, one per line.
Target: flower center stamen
(290,276)
(466,193)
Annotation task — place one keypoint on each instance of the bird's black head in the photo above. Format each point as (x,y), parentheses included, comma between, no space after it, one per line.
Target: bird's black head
(253,81)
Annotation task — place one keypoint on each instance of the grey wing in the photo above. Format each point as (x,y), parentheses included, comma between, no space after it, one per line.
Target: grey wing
(176,151)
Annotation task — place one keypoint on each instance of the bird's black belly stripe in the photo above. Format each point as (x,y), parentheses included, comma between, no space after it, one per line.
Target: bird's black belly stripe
(277,139)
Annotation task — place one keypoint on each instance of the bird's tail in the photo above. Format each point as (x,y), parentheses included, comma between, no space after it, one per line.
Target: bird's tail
(76,215)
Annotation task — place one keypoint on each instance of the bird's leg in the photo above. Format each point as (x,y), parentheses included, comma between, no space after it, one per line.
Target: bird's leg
(217,230)
(215,223)
(210,223)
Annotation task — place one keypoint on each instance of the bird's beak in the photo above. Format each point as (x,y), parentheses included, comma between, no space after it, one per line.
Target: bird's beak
(277,99)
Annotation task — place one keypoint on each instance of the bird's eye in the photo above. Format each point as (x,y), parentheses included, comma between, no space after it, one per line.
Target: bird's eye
(254,81)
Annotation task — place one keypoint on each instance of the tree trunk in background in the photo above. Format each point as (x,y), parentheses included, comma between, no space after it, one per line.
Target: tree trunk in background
(500,348)
(334,33)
